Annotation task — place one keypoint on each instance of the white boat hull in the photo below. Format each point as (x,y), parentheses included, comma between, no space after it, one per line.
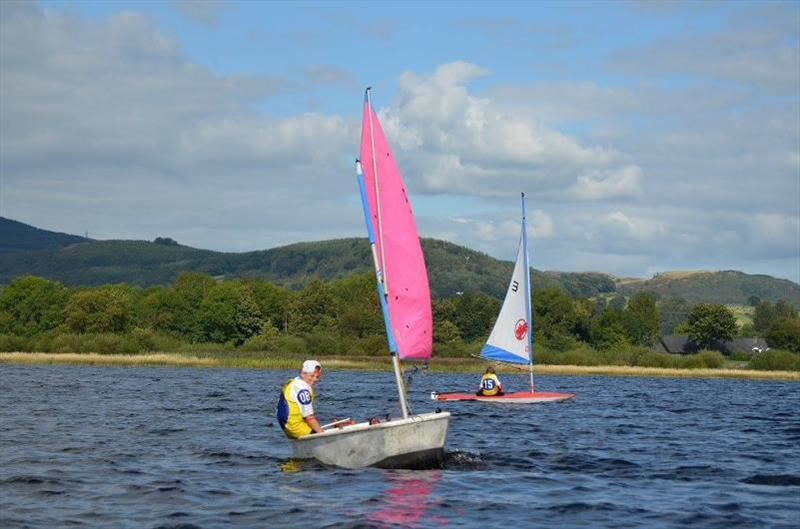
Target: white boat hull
(417,441)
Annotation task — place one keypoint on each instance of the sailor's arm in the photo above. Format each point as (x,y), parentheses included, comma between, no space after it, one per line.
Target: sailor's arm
(312,421)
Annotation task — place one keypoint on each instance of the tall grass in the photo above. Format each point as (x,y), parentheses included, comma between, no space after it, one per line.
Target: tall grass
(632,356)
(449,365)
(162,359)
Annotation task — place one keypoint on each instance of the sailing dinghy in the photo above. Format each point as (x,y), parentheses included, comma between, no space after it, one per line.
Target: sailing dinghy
(402,283)
(510,340)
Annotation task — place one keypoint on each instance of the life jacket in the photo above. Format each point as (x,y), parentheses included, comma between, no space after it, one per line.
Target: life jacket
(294,404)
(490,385)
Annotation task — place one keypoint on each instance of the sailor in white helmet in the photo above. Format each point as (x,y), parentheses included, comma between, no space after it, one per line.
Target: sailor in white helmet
(296,403)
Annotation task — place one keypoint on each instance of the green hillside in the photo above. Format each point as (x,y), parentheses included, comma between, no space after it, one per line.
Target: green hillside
(726,286)
(452,269)
(16,236)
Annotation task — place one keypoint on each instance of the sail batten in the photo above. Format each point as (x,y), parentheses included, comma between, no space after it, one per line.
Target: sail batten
(397,245)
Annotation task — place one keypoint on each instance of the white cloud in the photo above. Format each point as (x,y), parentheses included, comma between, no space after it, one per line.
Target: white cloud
(206,12)
(107,126)
(454,142)
(751,48)
(604,185)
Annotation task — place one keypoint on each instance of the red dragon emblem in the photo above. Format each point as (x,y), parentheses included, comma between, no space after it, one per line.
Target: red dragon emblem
(521,329)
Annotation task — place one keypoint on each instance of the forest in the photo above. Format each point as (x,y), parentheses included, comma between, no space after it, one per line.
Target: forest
(342,317)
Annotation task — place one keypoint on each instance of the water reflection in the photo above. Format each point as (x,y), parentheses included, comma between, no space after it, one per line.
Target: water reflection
(406,499)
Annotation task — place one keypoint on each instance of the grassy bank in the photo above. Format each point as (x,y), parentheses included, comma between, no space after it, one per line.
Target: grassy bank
(450,365)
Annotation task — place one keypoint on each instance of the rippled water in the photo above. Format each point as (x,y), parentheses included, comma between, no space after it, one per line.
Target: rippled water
(181,448)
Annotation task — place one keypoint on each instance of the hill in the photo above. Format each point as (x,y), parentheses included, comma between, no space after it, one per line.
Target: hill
(16,236)
(727,286)
(452,268)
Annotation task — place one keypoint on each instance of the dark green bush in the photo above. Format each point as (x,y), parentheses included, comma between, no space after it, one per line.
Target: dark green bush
(290,346)
(711,359)
(654,359)
(109,344)
(12,343)
(579,356)
(776,360)
(741,356)
(703,359)
(66,343)
(456,349)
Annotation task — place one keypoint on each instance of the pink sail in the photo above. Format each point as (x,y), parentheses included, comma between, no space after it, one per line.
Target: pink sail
(397,244)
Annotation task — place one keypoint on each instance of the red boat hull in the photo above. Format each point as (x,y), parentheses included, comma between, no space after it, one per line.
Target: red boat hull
(520,397)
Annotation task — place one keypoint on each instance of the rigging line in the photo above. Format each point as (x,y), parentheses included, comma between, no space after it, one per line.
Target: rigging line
(383,274)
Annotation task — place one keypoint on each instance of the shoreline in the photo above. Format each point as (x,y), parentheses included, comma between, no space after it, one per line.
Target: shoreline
(448,365)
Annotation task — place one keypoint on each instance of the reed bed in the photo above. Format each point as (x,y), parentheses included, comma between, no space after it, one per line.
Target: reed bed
(150,359)
(372,363)
(634,371)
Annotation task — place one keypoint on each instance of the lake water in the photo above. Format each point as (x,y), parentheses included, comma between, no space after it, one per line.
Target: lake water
(186,448)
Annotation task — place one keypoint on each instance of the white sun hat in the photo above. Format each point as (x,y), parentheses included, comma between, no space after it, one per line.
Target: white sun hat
(309,366)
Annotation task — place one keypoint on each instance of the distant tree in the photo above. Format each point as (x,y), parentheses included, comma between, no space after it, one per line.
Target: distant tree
(763,317)
(753,300)
(585,311)
(475,314)
(229,314)
(105,309)
(175,309)
(554,317)
(444,309)
(166,241)
(747,331)
(682,329)
(641,320)
(608,330)
(192,287)
(785,334)
(711,323)
(783,309)
(673,311)
(30,305)
(310,306)
(360,311)
(272,300)
(618,302)
(445,331)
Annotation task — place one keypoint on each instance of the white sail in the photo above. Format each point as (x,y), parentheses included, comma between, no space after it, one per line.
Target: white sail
(510,339)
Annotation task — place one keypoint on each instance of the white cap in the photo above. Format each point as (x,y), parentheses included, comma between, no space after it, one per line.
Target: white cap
(309,366)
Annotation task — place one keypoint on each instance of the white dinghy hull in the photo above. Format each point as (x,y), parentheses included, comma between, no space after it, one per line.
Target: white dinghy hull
(415,442)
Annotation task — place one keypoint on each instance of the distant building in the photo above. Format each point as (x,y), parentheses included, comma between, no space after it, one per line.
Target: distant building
(683,345)
(676,345)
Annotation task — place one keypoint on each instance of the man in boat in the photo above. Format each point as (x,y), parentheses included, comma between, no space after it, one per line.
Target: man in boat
(490,385)
(295,405)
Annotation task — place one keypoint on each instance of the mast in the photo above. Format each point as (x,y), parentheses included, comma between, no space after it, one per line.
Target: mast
(383,278)
(379,264)
(527,277)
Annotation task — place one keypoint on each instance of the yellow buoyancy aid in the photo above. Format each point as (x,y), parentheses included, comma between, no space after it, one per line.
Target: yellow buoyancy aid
(490,385)
(294,399)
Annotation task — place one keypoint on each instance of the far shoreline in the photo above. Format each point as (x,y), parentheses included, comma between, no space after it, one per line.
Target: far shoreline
(376,363)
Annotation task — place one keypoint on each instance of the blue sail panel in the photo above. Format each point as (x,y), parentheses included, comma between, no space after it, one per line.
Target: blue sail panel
(491,352)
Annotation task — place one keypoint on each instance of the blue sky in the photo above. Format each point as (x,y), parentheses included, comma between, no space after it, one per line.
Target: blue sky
(648,136)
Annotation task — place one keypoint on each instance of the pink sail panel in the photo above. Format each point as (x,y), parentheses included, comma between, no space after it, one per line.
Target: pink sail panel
(403,265)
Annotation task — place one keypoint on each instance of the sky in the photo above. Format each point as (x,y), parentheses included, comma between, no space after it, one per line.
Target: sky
(647,136)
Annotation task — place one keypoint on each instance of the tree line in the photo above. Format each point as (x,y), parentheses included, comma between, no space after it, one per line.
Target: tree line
(344,317)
